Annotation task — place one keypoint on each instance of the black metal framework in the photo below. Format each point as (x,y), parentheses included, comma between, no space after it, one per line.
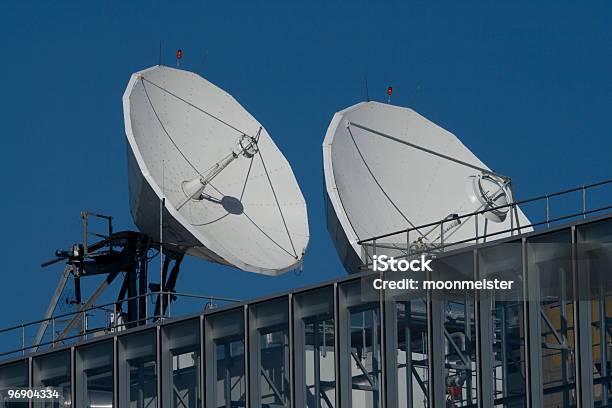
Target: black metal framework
(344,344)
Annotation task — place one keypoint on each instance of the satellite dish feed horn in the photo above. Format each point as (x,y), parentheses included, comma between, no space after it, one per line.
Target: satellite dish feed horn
(246,146)
(490,191)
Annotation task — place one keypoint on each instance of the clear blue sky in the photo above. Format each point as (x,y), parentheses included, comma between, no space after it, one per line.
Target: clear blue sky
(527,87)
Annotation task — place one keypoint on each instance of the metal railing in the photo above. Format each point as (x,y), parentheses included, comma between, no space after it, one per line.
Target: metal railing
(113,320)
(412,248)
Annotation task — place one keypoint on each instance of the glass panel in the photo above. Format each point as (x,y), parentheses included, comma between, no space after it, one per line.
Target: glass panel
(360,310)
(507,336)
(549,258)
(53,370)
(13,375)
(314,348)
(270,353)
(274,358)
(225,379)
(230,372)
(412,367)
(94,375)
(138,370)
(459,331)
(406,332)
(365,353)
(181,362)
(595,262)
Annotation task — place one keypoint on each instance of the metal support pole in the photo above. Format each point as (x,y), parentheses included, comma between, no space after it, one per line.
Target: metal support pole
(248,361)
(547,212)
(377,352)
(583,202)
(476,226)
(317,362)
(408,350)
(142,292)
(158,367)
(374,248)
(290,354)
(115,377)
(161,259)
(337,348)
(132,294)
(582,328)
(436,357)
(468,308)
(85,221)
(504,350)
(563,320)
(516,216)
(484,342)
(72,373)
(603,347)
(385,351)
(533,333)
(201,362)
(408,244)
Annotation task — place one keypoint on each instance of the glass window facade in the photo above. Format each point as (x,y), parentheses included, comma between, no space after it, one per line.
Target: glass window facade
(502,333)
(314,345)
(137,369)
(594,253)
(550,266)
(269,346)
(406,332)
(94,375)
(13,375)
(53,371)
(225,369)
(181,364)
(457,340)
(360,344)
(544,343)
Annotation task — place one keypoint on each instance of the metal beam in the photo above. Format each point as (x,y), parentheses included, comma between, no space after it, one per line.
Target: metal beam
(533,333)
(424,149)
(390,338)
(436,357)
(484,341)
(52,305)
(583,338)
(337,345)
(87,305)
(291,353)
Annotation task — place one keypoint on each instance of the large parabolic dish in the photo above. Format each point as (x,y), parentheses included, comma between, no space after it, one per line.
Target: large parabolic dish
(387,168)
(230,195)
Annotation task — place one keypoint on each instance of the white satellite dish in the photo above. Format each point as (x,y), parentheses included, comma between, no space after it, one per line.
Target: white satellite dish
(387,168)
(230,195)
